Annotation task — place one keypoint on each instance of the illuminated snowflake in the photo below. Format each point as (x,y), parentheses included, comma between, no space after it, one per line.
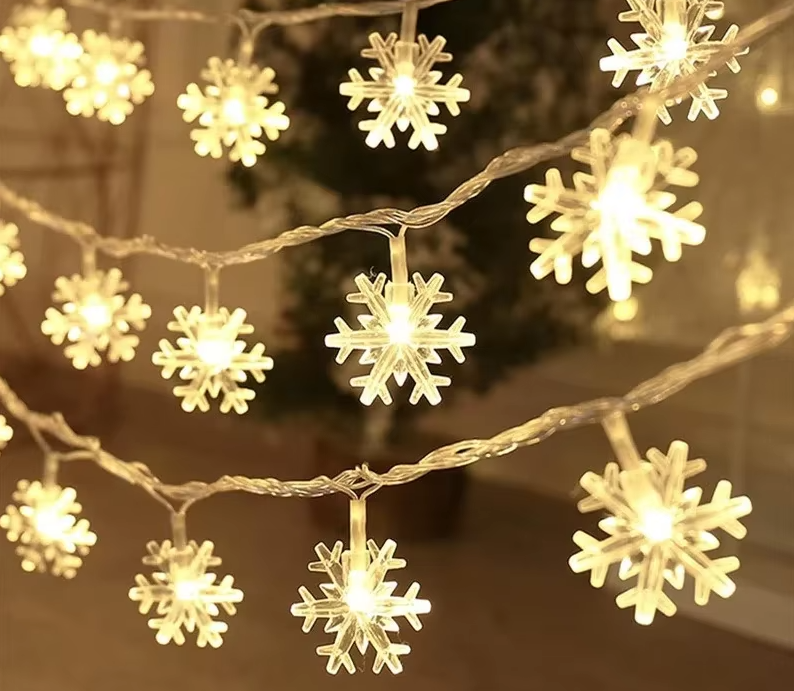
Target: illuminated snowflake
(186,594)
(110,81)
(46,527)
(360,607)
(12,262)
(95,317)
(399,338)
(675,44)
(39,47)
(233,110)
(404,90)
(659,532)
(210,357)
(6,432)
(615,211)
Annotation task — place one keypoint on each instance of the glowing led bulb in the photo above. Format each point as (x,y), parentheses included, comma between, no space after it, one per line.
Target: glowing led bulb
(768,97)
(674,45)
(215,350)
(657,524)
(106,72)
(233,111)
(404,85)
(399,325)
(187,589)
(96,312)
(358,596)
(43,45)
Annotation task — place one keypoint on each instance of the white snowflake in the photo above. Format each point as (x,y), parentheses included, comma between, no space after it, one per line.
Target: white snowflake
(675,44)
(46,527)
(39,46)
(360,607)
(210,357)
(186,594)
(95,317)
(658,531)
(615,211)
(233,110)
(12,262)
(399,338)
(110,81)
(404,90)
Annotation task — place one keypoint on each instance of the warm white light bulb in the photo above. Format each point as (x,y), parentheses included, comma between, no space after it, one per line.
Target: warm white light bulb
(674,45)
(399,327)
(42,45)
(358,596)
(215,351)
(657,525)
(404,85)
(233,110)
(768,97)
(97,313)
(106,72)
(187,590)
(49,524)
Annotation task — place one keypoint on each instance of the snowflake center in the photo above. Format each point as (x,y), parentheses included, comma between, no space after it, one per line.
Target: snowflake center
(404,85)
(233,109)
(215,350)
(657,525)
(96,313)
(399,326)
(42,45)
(187,590)
(674,46)
(358,597)
(49,524)
(106,72)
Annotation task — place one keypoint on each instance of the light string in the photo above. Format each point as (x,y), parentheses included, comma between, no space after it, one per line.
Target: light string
(512,162)
(734,345)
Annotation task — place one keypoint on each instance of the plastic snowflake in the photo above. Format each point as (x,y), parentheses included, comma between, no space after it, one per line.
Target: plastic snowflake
(615,211)
(12,262)
(6,432)
(211,358)
(233,110)
(95,317)
(47,529)
(110,81)
(399,338)
(404,90)
(360,607)
(675,44)
(186,594)
(39,47)
(658,531)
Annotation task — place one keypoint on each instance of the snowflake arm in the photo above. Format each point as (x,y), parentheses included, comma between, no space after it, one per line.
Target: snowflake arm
(39,47)
(110,81)
(186,596)
(12,262)
(211,359)
(658,532)
(45,525)
(404,91)
(95,317)
(675,44)
(233,110)
(360,607)
(615,211)
(399,339)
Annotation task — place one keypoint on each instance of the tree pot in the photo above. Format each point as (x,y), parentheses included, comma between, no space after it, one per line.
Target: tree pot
(429,508)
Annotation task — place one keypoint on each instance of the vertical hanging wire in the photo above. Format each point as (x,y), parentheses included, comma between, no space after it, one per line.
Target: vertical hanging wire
(211,289)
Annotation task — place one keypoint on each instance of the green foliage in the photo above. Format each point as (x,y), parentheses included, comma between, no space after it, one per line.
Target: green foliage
(531,66)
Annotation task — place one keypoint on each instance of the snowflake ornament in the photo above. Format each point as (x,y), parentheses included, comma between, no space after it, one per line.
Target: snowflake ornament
(675,44)
(210,357)
(400,337)
(110,81)
(39,47)
(615,211)
(6,432)
(360,606)
(658,531)
(233,110)
(45,525)
(186,594)
(404,90)
(12,262)
(95,317)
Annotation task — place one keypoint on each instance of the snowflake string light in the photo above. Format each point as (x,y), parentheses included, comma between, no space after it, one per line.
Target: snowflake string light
(233,111)
(110,81)
(615,211)
(359,604)
(404,90)
(675,44)
(6,432)
(12,262)
(399,337)
(95,317)
(47,529)
(186,594)
(658,531)
(39,47)
(211,358)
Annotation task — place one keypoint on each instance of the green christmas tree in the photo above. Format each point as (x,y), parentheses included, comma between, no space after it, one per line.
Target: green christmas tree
(531,68)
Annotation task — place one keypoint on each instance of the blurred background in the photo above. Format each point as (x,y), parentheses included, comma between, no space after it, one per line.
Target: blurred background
(489,545)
